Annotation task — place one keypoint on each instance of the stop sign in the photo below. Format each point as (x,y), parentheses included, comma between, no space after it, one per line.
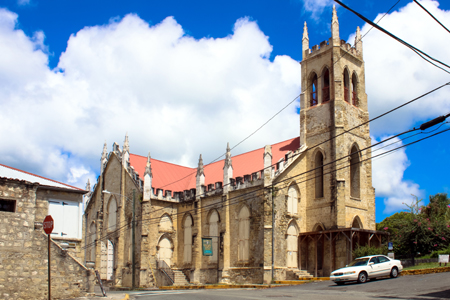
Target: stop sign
(48,224)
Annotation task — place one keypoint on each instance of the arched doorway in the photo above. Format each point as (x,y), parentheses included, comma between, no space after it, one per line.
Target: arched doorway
(292,246)
(110,263)
(103,261)
(165,251)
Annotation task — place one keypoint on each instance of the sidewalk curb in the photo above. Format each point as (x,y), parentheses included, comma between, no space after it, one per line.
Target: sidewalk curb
(425,271)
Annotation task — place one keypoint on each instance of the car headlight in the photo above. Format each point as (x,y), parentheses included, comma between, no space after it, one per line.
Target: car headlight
(348,273)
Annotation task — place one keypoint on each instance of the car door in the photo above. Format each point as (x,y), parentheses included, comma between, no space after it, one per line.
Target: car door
(385,265)
(373,269)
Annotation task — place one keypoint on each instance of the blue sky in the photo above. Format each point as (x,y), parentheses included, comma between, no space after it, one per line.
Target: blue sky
(184,78)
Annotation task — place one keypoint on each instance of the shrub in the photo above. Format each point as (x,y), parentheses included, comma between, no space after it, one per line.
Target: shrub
(435,254)
(368,250)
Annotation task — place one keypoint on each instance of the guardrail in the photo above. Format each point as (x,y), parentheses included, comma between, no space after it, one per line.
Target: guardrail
(164,267)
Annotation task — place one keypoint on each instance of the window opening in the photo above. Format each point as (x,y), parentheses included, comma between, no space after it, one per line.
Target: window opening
(326,86)
(8,205)
(346,86)
(292,201)
(214,232)
(355,100)
(188,239)
(319,174)
(354,173)
(314,101)
(244,234)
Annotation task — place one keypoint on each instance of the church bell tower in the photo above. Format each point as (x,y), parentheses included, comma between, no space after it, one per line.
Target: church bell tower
(333,105)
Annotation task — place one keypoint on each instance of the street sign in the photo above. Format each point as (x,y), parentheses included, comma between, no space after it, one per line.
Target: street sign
(48,224)
(207,246)
(390,246)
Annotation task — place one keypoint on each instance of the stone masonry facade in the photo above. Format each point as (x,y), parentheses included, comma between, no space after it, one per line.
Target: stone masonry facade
(24,250)
(318,183)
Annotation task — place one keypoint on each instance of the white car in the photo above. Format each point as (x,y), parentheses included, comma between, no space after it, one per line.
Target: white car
(367,267)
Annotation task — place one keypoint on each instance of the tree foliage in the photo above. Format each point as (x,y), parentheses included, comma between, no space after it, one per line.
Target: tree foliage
(368,250)
(420,229)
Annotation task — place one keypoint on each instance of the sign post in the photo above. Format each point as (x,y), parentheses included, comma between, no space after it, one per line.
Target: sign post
(48,228)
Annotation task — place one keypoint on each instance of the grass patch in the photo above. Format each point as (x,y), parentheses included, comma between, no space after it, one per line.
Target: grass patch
(425,266)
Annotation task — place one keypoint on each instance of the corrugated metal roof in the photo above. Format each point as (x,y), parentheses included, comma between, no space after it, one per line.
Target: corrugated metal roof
(177,178)
(16,174)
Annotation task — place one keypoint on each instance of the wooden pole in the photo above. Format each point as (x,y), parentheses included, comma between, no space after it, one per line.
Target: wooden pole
(49,281)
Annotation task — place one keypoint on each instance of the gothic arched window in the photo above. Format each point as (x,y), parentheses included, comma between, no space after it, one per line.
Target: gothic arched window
(188,239)
(355,101)
(326,86)
(214,233)
(93,233)
(314,100)
(292,201)
(244,234)
(318,165)
(165,223)
(112,214)
(354,173)
(346,86)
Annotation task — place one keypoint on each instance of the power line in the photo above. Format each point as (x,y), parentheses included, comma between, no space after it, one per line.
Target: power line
(431,15)
(398,107)
(416,50)
(237,199)
(287,105)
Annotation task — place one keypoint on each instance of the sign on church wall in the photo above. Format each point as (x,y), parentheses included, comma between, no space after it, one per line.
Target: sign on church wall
(207,246)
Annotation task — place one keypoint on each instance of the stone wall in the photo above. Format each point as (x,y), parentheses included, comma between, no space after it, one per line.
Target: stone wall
(23,252)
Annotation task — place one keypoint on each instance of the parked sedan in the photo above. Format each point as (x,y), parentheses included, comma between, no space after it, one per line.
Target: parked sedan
(367,267)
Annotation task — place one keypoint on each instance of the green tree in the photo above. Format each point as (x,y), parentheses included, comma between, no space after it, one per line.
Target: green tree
(420,229)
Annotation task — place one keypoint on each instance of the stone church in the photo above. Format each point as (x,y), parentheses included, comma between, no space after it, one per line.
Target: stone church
(278,212)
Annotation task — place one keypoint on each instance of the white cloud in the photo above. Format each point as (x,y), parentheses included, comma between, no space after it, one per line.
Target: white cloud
(387,176)
(316,7)
(395,74)
(23,2)
(176,96)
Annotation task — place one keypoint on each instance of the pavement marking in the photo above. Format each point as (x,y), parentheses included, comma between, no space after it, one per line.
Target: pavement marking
(161,293)
(127,297)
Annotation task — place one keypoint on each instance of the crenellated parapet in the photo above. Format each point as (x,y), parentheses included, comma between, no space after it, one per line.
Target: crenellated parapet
(327,46)
(333,41)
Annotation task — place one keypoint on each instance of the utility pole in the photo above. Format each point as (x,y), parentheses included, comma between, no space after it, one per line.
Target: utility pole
(133,244)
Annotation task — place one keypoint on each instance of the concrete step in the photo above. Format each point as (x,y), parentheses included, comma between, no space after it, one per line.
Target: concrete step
(179,278)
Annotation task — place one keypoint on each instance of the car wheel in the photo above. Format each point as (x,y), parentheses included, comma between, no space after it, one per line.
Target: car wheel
(394,272)
(362,277)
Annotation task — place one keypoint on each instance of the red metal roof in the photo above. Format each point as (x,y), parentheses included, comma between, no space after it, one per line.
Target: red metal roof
(177,178)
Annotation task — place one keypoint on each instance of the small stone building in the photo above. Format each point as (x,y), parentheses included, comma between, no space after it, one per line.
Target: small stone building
(274,213)
(24,202)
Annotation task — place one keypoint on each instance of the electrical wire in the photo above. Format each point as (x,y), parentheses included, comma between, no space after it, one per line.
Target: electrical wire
(287,105)
(416,50)
(417,2)
(232,201)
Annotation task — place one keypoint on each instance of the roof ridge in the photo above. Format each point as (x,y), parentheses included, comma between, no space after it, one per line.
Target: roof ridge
(162,161)
(252,151)
(74,187)
(214,162)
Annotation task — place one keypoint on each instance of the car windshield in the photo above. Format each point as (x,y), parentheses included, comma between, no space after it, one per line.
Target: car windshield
(358,262)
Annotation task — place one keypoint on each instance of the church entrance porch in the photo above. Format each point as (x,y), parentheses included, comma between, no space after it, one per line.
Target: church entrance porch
(321,252)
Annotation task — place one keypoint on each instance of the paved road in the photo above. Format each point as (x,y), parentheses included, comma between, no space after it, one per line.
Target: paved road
(430,286)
